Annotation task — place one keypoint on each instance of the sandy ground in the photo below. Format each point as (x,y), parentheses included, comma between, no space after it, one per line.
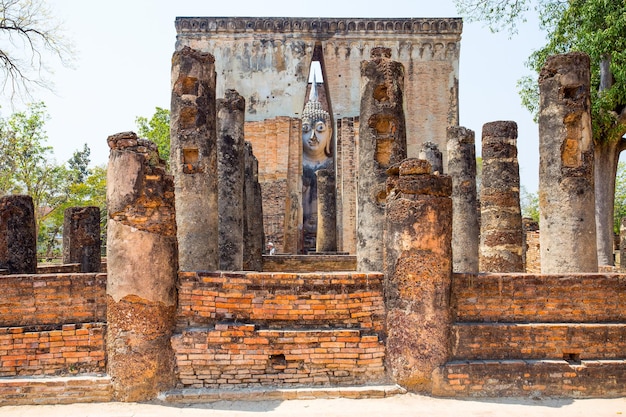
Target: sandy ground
(397,406)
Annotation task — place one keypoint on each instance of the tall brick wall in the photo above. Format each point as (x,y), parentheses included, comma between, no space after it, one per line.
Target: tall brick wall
(271,141)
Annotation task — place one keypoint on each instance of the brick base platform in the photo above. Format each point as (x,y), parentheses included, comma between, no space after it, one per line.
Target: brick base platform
(532,378)
(203,395)
(59,390)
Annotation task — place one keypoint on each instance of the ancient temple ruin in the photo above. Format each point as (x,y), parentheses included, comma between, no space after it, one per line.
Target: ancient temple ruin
(267,60)
(163,322)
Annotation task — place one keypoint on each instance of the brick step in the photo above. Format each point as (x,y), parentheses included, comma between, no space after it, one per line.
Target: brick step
(239,355)
(203,395)
(52,350)
(569,341)
(548,298)
(305,300)
(308,263)
(57,390)
(532,378)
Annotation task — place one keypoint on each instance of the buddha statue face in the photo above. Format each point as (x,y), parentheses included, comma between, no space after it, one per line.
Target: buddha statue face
(316,133)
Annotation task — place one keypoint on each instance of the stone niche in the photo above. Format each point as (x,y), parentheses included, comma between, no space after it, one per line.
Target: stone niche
(267,60)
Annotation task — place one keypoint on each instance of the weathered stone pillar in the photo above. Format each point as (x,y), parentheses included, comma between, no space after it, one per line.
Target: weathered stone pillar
(18,236)
(431,153)
(326,212)
(501,233)
(81,238)
(142,269)
(622,244)
(418,273)
(193,158)
(253,233)
(382,143)
(462,170)
(566,182)
(345,178)
(231,167)
(292,241)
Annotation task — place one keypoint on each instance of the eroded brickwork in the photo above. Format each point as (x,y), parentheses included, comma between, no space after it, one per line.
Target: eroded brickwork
(282,299)
(286,329)
(547,298)
(52,299)
(69,350)
(239,355)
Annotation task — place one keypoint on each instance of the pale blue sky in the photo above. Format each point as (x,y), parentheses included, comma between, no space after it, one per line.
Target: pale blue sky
(125,47)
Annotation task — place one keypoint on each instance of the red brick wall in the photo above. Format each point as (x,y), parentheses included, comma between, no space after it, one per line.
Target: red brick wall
(230,355)
(71,349)
(580,341)
(29,300)
(584,298)
(346,299)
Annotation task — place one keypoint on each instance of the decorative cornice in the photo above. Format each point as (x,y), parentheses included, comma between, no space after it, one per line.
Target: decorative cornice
(320,26)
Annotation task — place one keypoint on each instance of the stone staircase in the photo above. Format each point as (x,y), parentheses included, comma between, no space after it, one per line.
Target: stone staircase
(527,335)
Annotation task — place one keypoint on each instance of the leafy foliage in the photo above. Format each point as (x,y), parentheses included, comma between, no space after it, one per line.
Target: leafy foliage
(529,203)
(27,167)
(157,129)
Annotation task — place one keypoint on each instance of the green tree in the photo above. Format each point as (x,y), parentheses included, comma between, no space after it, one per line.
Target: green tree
(90,191)
(596,27)
(27,167)
(26,164)
(30,37)
(157,129)
(529,203)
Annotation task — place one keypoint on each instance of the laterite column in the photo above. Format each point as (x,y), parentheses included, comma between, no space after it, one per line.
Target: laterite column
(566,167)
(418,272)
(81,238)
(18,236)
(462,170)
(142,269)
(231,167)
(326,212)
(382,143)
(501,232)
(254,235)
(193,158)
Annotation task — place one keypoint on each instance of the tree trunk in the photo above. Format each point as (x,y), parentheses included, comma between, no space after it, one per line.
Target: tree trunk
(606,159)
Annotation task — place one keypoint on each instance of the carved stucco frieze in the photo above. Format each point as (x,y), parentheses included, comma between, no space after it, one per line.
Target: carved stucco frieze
(319,26)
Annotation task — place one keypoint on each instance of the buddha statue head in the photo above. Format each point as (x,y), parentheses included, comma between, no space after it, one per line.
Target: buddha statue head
(317,132)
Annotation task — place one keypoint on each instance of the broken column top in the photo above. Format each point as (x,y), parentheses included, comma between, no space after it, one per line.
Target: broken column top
(463,134)
(563,64)
(501,128)
(126,140)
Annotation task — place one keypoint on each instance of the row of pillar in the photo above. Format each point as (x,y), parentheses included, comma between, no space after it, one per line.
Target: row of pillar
(407,215)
